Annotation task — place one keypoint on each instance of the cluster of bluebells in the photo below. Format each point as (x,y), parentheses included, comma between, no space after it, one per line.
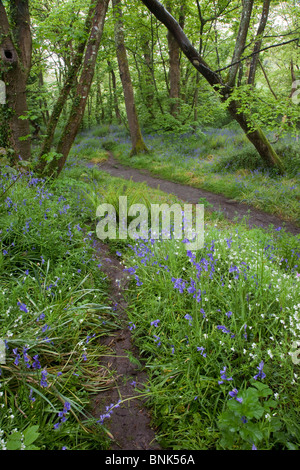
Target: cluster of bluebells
(108,412)
(63,415)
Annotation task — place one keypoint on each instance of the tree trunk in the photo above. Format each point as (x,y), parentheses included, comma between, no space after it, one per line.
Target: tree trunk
(15,54)
(149,78)
(114,90)
(174,67)
(224,90)
(79,104)
(99,112)
(138,144)
(65,90)
(258,42)
(240,40)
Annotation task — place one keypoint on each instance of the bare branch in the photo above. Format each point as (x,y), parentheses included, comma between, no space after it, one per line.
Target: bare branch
(257,52)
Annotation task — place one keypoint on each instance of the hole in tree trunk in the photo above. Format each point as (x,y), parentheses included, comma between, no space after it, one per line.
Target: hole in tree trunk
(8,54)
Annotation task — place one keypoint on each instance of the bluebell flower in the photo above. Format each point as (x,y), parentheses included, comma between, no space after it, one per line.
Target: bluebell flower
(22,307)
(260,374)
(190,318)
(31,398)
(157,340)
(43,382)
(224,377)
(234,393)
(36,363)
(201,349)
(17,355)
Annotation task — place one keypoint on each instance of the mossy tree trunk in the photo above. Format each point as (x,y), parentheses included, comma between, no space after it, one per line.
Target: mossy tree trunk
(174,65)
(82,90)
(15,65)
(65,90)
(138,144)
(114,90)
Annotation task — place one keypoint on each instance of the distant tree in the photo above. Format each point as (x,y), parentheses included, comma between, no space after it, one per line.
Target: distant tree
(138,144)
(226,88)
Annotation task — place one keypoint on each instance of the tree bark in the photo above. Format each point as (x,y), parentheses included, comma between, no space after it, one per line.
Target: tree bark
(68,85)
(174,66)
(149,78)
(82,91)
(15,54)
(240,40)
(258,42)
(99,112)
(138,144)
(256,137)
(114,89)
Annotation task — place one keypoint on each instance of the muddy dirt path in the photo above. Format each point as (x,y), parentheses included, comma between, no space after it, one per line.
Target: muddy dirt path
(130,422)
(232,210)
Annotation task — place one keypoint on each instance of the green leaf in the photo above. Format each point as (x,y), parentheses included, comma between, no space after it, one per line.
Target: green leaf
(264,390)
(14,441)
(292,446)
(30,435)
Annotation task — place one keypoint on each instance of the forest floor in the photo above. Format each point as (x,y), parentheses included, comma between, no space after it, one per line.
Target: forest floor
(231,209)
(130,424)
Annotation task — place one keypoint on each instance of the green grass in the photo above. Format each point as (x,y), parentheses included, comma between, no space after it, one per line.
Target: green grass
(54,309)
(233,304)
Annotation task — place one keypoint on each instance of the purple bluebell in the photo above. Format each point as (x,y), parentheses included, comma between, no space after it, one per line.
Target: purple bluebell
(22,307)
(224,377)
(261,374)
(234,393)
(43,382)
(190,318)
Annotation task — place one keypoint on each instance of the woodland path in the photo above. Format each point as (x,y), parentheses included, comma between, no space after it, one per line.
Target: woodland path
(231,209)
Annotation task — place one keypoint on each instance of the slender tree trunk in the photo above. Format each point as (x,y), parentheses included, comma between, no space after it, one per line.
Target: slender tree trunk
(258,42)
(15,54)
(149,75)
(65,90)
(138,144)
(114,90)
(99,112)
(256,137)
(174,74)
(240,41)
(43,102)
(79,104)
(110,98)
(174,67)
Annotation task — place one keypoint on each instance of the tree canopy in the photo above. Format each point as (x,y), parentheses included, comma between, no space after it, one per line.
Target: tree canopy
(160,66)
